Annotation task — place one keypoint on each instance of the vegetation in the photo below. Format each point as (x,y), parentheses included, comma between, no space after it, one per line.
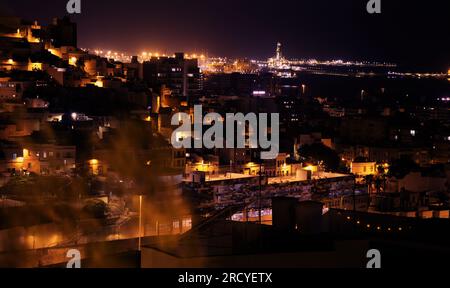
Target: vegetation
(318,152)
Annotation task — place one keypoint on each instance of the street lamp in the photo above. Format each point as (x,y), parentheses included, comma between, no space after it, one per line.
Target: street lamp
(140,223)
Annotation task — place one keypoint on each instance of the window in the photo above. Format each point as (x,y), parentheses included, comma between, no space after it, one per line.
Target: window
(187,223)
(176,225)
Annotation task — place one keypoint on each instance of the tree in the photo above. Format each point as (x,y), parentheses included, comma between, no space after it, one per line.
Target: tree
(318,152)
(96,209)
(401,167)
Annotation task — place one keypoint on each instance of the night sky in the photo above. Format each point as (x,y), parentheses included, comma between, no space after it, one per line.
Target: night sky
(409,32)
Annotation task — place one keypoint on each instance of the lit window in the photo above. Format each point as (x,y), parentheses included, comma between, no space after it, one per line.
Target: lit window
(176,225)
(187,223)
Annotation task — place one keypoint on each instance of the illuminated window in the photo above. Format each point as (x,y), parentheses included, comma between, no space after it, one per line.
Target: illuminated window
(176,225)
(187,223)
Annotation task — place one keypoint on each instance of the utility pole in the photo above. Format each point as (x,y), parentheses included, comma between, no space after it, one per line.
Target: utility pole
(140,223)
(354,206)
(260,193)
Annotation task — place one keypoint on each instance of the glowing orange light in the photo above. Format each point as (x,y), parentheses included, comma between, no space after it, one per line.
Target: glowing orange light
(99,83)
(73,61)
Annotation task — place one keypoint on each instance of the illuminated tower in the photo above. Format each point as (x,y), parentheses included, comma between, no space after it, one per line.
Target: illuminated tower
(279,55)
(278,61)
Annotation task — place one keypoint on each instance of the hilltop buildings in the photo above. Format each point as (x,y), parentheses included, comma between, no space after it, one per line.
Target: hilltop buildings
(86,131)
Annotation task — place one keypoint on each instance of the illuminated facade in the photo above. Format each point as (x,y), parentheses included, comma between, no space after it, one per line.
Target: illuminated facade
(10,90)
(363,168)
(41,159)
(180,74)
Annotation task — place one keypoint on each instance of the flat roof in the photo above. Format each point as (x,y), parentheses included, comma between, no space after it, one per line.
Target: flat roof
(224,177)
(316,176)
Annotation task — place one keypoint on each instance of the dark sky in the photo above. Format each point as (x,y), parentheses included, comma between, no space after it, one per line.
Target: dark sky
(409,32)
